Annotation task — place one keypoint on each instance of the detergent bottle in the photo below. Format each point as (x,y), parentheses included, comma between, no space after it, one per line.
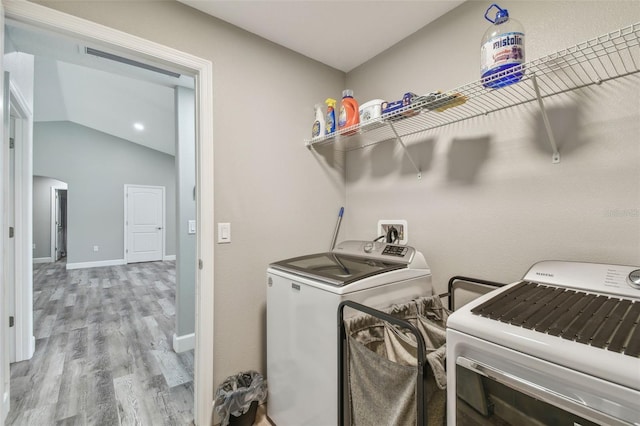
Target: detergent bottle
(331,116)
(349,114)
(502,48)
(319,124)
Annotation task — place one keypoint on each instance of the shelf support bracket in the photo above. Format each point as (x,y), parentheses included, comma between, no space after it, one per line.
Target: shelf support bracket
(406,151)
(556,154)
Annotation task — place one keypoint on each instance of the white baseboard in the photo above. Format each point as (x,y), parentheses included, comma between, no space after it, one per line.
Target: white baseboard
(42,260)
(82,265)
(169,257)
(184,343)
(26,353)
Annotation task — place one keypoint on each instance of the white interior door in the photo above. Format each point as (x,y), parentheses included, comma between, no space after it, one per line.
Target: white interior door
(144,223)
(4,318)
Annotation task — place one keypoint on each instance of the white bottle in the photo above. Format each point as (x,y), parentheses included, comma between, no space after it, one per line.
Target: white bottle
(318,125)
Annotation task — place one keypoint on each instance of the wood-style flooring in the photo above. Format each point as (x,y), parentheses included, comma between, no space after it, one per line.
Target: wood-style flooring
(103,350)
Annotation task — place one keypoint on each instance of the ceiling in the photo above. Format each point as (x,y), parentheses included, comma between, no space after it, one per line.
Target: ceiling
(102,94)
(111,97)
(341,34)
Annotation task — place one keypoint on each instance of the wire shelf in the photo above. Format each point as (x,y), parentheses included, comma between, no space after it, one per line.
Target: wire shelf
(603,58)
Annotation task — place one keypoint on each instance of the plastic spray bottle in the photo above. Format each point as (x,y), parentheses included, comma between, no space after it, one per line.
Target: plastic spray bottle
(331,116)
(319,124)
(349,114)
(502,48)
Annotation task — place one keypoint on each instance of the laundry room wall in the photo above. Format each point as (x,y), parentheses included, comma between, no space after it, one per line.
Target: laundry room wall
(281,199)
(490,202)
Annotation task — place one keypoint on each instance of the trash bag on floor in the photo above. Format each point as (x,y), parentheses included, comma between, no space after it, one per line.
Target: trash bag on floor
(235,395)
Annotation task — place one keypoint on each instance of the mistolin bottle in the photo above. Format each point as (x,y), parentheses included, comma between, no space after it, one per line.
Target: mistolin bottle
(502,48)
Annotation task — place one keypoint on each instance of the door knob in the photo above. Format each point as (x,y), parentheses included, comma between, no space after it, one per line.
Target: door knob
(159,228)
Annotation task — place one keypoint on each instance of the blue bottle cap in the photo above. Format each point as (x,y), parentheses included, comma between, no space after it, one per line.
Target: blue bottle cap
(502,15)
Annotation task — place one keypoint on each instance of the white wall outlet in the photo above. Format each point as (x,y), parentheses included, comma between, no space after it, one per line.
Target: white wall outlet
(401,226)
(224,233)
(95,248)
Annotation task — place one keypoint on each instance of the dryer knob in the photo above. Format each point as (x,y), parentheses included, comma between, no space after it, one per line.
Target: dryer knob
(634,278)
(368,247)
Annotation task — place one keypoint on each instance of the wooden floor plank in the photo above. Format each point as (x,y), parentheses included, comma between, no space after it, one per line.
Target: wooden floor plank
(174,372)
(42,415)
(167,307)
(72,399)
(46,325)
(103,350)
(130,405)
(77,420)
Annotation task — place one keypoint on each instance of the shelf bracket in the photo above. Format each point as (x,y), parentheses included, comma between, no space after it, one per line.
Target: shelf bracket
(406,151)
(556,154)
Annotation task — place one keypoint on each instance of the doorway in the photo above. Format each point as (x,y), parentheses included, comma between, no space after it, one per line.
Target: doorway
(58,223)
(57,22)
(49,219)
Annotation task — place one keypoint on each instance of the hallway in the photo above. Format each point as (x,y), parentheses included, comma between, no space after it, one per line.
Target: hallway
(103,350)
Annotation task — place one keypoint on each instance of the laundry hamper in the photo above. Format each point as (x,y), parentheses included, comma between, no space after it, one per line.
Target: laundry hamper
(391,364)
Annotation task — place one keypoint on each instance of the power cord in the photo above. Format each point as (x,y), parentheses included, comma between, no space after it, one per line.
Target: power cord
(393,236)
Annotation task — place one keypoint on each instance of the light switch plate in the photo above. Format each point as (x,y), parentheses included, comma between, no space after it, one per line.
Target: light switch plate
(192,227)
(224,233)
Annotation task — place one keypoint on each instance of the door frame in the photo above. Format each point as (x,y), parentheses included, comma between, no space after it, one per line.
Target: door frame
(25,342)
(126,217)
(5,373)
(21,343)
(9,174)
(125,44)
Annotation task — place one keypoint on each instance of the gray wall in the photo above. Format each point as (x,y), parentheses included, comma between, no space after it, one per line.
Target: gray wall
(186,210)
(96,167)
(42,214)
(490,203)
(281,199)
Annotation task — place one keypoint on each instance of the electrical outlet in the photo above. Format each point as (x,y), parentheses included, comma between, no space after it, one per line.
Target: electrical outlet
(95,248)
(400,226)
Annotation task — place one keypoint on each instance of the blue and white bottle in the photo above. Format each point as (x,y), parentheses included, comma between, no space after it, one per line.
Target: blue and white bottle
(501,50)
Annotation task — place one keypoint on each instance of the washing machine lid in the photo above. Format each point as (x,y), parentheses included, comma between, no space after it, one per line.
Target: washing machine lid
(336,269)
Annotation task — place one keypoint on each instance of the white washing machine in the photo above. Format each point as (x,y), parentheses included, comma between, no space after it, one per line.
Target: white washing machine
(303,295)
